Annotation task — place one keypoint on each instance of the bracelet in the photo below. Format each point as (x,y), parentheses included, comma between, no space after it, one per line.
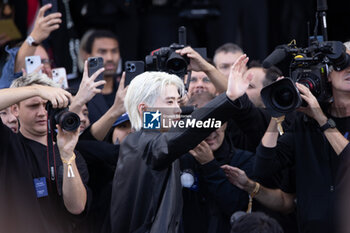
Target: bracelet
(279,121)
(256,190)
(69,163)
(251,196)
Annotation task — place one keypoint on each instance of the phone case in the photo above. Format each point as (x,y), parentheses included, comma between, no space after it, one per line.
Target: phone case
(54,7)
(94,64)
(59,75)
(32,63)
(132,69)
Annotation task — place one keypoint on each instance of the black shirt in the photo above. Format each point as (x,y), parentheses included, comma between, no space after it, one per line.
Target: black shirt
(22,160)
(316,165)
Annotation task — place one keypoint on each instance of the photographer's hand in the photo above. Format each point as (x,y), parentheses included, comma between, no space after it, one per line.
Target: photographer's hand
(237,83)
(73,189)
(202,153)
(313,108)
(66,141)
(335,138)
(198,63)
(57,96)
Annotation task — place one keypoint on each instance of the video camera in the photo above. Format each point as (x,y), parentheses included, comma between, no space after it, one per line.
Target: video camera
(310,67)
(68,121)
(164,59)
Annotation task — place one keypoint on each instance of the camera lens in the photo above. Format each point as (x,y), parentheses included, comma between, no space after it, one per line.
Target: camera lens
(69,121)
(282,98)
(176,63)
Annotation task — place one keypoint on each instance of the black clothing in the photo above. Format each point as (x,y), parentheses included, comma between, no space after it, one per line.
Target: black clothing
(101,159)
(249,124)
(305,147)
(146,194)
(22,160)
(246,130)
(209,206)
(99,104)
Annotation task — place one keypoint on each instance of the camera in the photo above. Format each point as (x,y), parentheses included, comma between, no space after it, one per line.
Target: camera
(68,121)
(310,67)
(167,60)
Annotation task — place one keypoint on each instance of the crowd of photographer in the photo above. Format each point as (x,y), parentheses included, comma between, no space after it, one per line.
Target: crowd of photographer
(76,154)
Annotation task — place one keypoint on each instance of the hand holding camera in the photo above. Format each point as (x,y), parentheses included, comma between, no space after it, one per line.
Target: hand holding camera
(196,61)
(313,108)
(57,96)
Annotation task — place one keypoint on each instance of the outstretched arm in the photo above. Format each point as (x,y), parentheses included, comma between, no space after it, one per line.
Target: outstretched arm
(274,199)
(43,27)
(87,90)
(198,63)
(58,97)
(219,108)
(334,137)
(101,127)
(73,189)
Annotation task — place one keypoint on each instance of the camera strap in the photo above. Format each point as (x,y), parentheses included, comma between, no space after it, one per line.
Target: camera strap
(50,153)
(187,84)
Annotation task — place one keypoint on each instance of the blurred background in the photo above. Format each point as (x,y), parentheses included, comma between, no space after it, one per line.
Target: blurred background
(258,26)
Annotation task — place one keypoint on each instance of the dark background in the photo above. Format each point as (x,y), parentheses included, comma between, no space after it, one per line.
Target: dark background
(258,26)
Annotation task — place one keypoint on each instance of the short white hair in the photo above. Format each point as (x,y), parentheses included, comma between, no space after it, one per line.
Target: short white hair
(146,88)
(32,79)
(347,45)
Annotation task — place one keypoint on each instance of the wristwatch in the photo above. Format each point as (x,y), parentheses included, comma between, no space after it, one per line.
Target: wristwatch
(329,124)
(30,40)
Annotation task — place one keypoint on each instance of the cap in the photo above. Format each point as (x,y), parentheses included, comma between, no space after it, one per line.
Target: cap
(121,119)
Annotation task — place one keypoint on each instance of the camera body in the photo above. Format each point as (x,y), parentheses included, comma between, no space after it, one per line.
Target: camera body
(68,121)
(314,77)
(310,67)
(167,60)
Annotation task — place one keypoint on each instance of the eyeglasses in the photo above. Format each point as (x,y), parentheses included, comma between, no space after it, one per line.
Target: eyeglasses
(46,61)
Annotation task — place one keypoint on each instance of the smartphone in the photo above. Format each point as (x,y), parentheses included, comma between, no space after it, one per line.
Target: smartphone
(132,69)
(59,75)
(94,64)
(54,7)
(32,63)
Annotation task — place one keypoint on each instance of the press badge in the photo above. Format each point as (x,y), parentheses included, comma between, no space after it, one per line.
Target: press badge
(40,187)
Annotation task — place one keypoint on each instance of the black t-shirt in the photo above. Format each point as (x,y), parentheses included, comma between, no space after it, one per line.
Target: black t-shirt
(21,161)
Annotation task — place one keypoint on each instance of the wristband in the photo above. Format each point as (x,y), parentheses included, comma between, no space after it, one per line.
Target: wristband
(69,163)
(252,195)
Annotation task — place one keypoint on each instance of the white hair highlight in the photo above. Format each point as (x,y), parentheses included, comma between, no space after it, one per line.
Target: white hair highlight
(146,88)
(32,79)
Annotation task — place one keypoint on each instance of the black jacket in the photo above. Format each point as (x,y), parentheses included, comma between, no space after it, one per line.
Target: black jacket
(210,202)
(305,147)
(146,193)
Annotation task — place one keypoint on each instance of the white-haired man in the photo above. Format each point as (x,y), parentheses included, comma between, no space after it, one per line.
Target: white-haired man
(42,189)
(146,195)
